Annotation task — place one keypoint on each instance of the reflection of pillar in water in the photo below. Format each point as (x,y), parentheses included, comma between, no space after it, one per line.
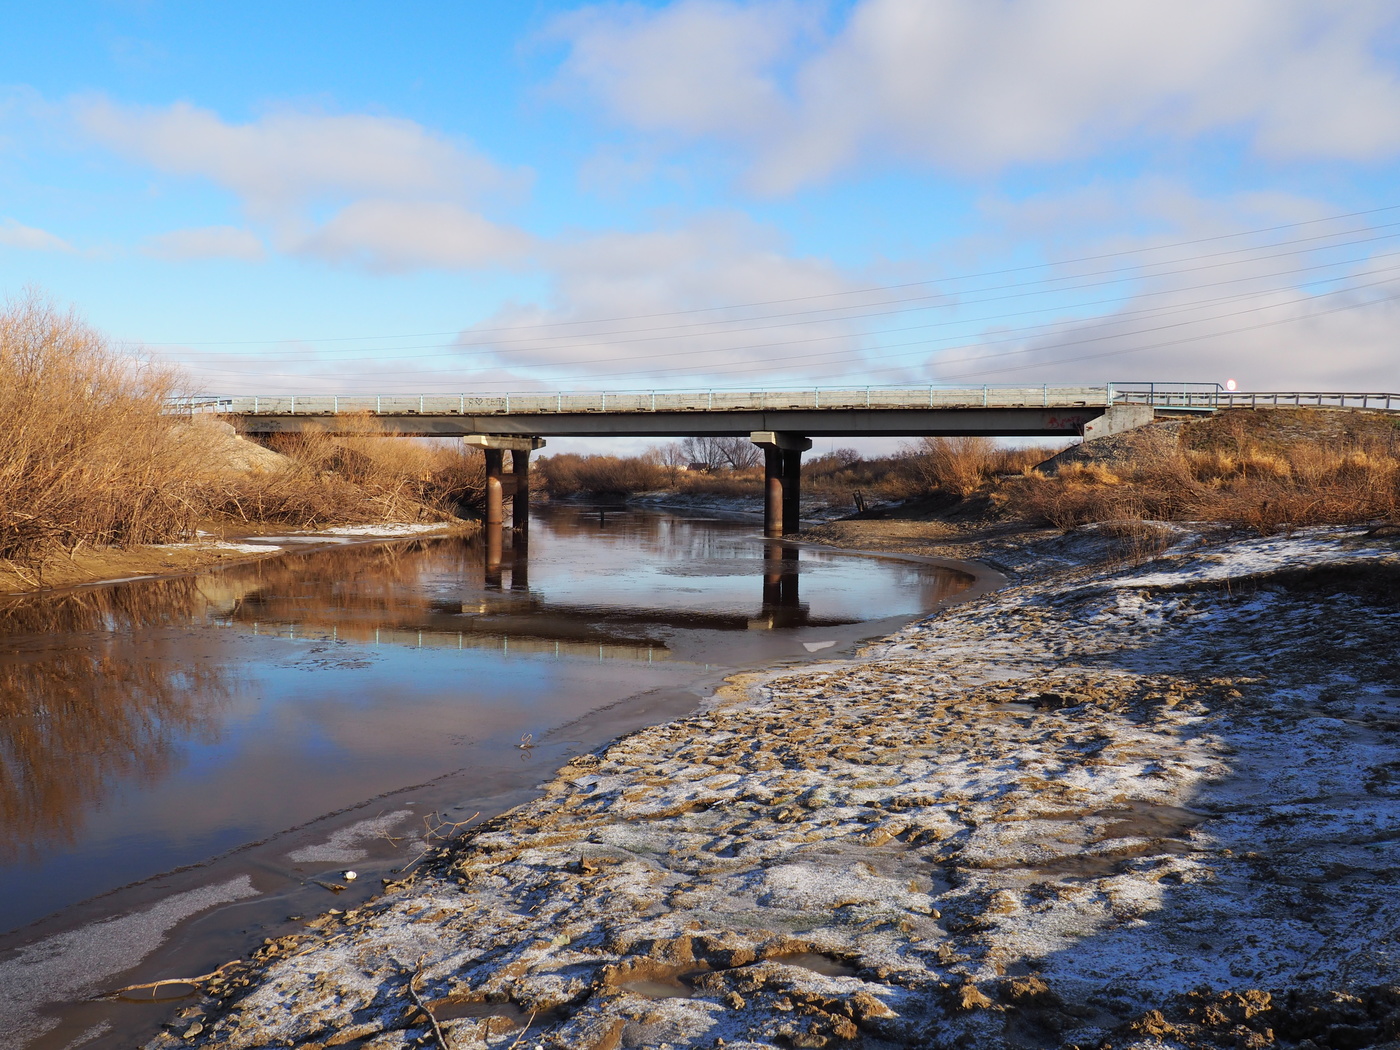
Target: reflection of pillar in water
(772,572)
(520,561)
(780,577)
(493,555)
(520,508)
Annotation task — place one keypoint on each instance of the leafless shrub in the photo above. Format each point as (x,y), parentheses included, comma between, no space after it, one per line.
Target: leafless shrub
(88,454)
(568,474)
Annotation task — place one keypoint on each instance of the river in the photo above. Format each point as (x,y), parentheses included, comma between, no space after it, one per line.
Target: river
(267,727)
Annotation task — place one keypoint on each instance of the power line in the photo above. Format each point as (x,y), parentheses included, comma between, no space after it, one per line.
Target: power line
(856,291)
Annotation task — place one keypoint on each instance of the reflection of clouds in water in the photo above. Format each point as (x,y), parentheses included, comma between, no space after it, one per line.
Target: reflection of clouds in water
(341,846)
(71,966)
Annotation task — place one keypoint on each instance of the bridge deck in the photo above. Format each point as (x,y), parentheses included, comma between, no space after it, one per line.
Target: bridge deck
(898,411)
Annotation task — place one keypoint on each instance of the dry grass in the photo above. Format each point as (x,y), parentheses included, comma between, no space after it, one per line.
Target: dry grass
(93,458)
(358,478)
(965,465)
(1267,475)
(568,474)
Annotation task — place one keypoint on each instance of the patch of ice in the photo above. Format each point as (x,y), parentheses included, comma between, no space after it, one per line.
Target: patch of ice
(341,846)
(71,966)
(816,647)
(394,529)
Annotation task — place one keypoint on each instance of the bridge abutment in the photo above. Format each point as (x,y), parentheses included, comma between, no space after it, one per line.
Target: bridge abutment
(782,484)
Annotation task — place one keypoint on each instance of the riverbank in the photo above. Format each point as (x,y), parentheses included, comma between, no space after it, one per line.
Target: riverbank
(95,566)
(1147,804)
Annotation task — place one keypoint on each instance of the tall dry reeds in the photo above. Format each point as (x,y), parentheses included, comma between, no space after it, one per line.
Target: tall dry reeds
(1268,475)
(568,474)
(963,465)
(88,455)
(361,477)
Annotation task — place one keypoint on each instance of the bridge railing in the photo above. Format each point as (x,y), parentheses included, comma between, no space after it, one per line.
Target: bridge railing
(1212,396)
(1201,397)
(661,401)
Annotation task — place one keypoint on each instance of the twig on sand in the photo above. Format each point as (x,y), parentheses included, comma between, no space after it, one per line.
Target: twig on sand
(423,1007)
(435,831)
(152,986)
(528,1022)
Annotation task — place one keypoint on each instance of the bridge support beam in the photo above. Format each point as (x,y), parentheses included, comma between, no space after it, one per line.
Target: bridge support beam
(782,459)
(496,446)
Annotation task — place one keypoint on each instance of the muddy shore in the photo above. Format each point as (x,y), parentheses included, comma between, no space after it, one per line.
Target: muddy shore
(1130,804)
(95,567)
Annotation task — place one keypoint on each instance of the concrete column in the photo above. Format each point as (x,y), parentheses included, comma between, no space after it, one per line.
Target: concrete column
(782,457)
(773,491)
(520,507)
(792,490)
(495,461)
(495,446)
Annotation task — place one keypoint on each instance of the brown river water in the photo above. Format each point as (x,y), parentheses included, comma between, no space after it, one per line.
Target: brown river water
(187,764)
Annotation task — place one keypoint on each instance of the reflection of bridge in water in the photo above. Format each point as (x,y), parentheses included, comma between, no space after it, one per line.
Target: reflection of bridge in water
(507,617)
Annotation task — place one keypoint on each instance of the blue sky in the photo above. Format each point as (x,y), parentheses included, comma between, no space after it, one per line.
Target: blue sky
(486,196)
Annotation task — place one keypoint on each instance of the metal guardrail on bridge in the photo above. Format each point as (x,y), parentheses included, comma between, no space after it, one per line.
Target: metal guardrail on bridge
(1212,396)
(657,401)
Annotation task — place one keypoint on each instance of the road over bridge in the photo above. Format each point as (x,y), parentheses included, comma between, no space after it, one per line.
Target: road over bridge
(782,422)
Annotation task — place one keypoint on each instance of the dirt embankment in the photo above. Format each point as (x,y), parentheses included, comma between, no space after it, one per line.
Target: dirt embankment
(1117,805)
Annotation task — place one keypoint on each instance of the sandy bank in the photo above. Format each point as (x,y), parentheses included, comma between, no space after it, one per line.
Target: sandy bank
(1142,805)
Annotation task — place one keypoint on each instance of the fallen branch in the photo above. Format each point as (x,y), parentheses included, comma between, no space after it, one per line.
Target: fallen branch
(153,985)
(422,1006)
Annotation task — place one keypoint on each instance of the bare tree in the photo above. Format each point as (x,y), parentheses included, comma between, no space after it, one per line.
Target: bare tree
(705,451)
(740,453)
(672,456)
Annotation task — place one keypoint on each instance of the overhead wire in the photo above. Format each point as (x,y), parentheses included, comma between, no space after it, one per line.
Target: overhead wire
(1062,285)
(1007,335)
(854,291)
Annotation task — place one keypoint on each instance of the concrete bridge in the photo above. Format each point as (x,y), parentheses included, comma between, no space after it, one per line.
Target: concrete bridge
(781,422)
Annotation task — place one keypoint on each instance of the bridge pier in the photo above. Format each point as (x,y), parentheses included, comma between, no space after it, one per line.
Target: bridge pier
(495,446)
(782,486)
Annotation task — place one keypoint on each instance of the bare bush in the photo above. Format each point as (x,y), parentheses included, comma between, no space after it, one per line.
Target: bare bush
(963,465)
(568,474)
(88,455)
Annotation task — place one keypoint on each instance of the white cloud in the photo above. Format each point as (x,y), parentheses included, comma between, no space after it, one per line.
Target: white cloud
(404,196)
(703,64)
(286,159)
(635,310)
(974,86)
(1311,305)
(29,238)
(388,235)
(206,242)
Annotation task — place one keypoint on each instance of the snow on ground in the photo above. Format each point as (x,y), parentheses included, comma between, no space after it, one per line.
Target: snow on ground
(1109,806)
(414,528)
